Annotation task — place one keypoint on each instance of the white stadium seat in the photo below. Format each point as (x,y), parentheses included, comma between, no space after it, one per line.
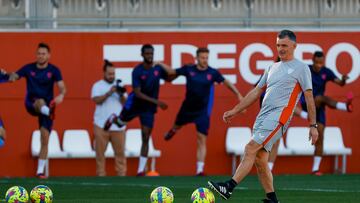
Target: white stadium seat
(236,140)
(54,150)
(297,140)
(77,144)
(334,145)
(282,150)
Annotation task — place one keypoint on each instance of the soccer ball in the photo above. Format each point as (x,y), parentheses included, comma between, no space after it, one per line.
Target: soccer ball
(202,195)
(41,194)
(16,194)
(161,195)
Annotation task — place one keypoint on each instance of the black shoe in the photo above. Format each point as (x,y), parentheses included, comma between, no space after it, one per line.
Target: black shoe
(169,134)
(269,201)
(117,121)
(221,188)
(109,122)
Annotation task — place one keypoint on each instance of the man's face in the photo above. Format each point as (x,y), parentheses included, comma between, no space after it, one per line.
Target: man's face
(285,48)
(202,59)
(109,74)
(318,63)
(148,55)
(42,56)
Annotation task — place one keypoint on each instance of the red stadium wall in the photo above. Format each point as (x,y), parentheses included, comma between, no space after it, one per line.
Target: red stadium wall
(80,57)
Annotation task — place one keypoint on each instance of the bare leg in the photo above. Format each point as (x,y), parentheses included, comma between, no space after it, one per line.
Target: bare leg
(248,160)
(273,154)
(145,132)
(38,104)
(324,100)
(201,147)
(44,143)
(201,152)
(263,171)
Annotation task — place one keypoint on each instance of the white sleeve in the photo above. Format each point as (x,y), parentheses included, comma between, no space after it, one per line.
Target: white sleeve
(96,91)
(263,79)
(305,79)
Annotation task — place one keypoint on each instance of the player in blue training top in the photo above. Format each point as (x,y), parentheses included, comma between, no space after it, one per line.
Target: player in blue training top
(3,78)
(320,76)
(39,101)
(197,106)
(142,101)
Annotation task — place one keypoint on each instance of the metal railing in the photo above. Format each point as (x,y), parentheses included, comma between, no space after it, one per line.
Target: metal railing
(127,14)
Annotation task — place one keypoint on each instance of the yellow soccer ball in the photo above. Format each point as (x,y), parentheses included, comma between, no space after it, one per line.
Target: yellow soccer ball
(41,194)
(16,194)
(202,195)
(161,195)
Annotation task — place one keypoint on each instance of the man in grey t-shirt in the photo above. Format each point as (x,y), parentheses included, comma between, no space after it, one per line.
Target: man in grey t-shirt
(284,81)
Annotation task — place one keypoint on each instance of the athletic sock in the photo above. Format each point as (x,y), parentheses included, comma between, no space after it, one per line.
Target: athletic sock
(316,165)
(142,164)
(272,196)
(232,184)
(271,165)
(41,166)
(45,110)
(304,115)
(200,167)
(341,106)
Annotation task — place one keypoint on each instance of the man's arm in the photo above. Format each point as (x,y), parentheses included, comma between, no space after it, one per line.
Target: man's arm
(102,98)
(143,96)
(310,104)
(170,72)
(249,99)
(232,87)
(341,82)
(62,91)
(13,77)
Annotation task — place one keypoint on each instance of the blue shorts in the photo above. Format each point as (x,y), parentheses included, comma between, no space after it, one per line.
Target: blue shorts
(320,114)
(146,117)
(43,120)
(201,120)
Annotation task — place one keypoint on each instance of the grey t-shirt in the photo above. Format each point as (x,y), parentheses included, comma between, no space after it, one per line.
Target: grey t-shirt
(284,82)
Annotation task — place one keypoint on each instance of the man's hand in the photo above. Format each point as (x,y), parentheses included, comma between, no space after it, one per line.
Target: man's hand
(162,105)
(59,99)
(3,71)
(344,77)
(313,135)
(228,115)
(13,77)
(111,91)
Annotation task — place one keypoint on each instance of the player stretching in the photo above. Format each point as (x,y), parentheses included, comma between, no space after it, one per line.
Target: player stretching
(320,76)
(143,101)
(40,102)
(3,78)
(197,106)
(284,81)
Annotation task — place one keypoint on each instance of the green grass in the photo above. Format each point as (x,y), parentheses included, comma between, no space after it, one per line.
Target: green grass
(294,188)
